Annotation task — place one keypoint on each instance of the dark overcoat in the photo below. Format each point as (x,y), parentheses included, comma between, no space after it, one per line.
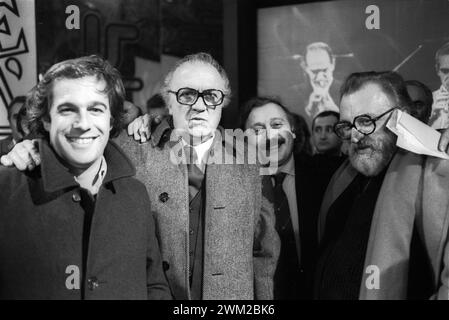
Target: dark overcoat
(42,232)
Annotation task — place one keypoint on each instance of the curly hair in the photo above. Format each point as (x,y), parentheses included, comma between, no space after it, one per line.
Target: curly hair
(39,98)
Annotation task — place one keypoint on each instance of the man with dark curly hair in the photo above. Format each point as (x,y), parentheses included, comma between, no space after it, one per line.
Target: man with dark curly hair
(78,226)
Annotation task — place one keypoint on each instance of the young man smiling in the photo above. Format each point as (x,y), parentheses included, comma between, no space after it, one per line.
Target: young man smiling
(78,226)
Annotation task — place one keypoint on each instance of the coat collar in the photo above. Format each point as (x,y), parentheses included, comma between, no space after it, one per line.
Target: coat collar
(56,176)
(161,134)
(338,183)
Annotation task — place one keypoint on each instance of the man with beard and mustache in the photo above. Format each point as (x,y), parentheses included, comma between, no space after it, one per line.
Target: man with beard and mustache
(356,192)
(298,185)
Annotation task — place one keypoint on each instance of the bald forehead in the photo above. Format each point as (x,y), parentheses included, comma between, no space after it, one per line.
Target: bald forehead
(267,112)
(317,55)
(197,75)
(443,61)
(369,99)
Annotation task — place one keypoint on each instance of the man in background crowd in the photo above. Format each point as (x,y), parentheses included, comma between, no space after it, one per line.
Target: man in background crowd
(297,193)
(273,124)
(156,106)
(422,99)
(131,112)
(439,118)
(16,135)
(324,138)
(302,141)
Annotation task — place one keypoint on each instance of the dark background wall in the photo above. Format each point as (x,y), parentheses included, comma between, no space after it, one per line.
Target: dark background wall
(131,34)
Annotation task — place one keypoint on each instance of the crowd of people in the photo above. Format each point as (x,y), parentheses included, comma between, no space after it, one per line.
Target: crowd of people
(104,200)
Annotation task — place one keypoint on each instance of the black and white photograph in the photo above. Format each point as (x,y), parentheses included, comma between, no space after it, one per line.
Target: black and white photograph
(240,156)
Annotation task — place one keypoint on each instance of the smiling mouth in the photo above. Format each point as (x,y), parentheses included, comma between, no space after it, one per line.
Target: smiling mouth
(270,146)
(80,140)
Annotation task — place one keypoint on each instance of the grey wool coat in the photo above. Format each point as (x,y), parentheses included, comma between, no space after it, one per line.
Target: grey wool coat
(241,246)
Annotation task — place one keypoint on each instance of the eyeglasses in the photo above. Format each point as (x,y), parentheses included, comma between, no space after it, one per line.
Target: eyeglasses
(363,124)
(189,96)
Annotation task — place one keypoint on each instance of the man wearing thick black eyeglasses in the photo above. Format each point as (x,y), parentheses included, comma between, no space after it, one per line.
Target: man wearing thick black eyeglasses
(352,218)
(217,231)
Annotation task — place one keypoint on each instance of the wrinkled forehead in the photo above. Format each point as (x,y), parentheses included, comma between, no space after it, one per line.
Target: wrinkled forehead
(325,121)
(197,75)
(369,99)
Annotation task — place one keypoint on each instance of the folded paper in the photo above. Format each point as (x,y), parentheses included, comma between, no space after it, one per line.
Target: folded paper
(414,135)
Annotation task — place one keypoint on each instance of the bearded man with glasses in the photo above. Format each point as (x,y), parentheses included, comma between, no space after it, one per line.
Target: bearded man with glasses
(360,240)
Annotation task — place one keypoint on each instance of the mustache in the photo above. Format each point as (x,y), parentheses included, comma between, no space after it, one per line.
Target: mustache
(363,145)
(269,143)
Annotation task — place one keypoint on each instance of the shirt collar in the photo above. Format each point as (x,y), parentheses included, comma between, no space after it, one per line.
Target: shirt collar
(202,149)
(92,178)
(288,167)
(162,132)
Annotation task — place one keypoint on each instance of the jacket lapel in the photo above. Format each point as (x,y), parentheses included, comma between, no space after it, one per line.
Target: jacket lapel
(385,271)
(435,218)
(338,183)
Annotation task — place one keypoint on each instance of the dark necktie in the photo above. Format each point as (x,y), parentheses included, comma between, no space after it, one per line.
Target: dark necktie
(196,176)
(287,276)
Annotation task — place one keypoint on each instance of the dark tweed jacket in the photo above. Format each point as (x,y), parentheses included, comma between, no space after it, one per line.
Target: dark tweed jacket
(241,246)
(41,234)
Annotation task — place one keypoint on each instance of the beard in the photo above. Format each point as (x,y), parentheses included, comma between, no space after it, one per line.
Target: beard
(372,153)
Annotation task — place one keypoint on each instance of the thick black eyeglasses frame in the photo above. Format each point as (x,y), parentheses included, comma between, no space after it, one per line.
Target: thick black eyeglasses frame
(352,125)
(198,95)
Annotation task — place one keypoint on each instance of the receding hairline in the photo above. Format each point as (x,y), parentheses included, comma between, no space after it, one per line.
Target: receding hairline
(266,104)
(196,62)
(367,84)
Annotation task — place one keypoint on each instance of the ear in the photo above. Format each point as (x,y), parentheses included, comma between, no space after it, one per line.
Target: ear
(111,123)
(46,123)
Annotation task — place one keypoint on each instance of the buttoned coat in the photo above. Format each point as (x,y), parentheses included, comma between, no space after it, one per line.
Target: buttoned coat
(41,235)
(241,246)
(415,188)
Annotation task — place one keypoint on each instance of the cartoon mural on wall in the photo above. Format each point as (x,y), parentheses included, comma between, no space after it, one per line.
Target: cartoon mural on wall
(17,54)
